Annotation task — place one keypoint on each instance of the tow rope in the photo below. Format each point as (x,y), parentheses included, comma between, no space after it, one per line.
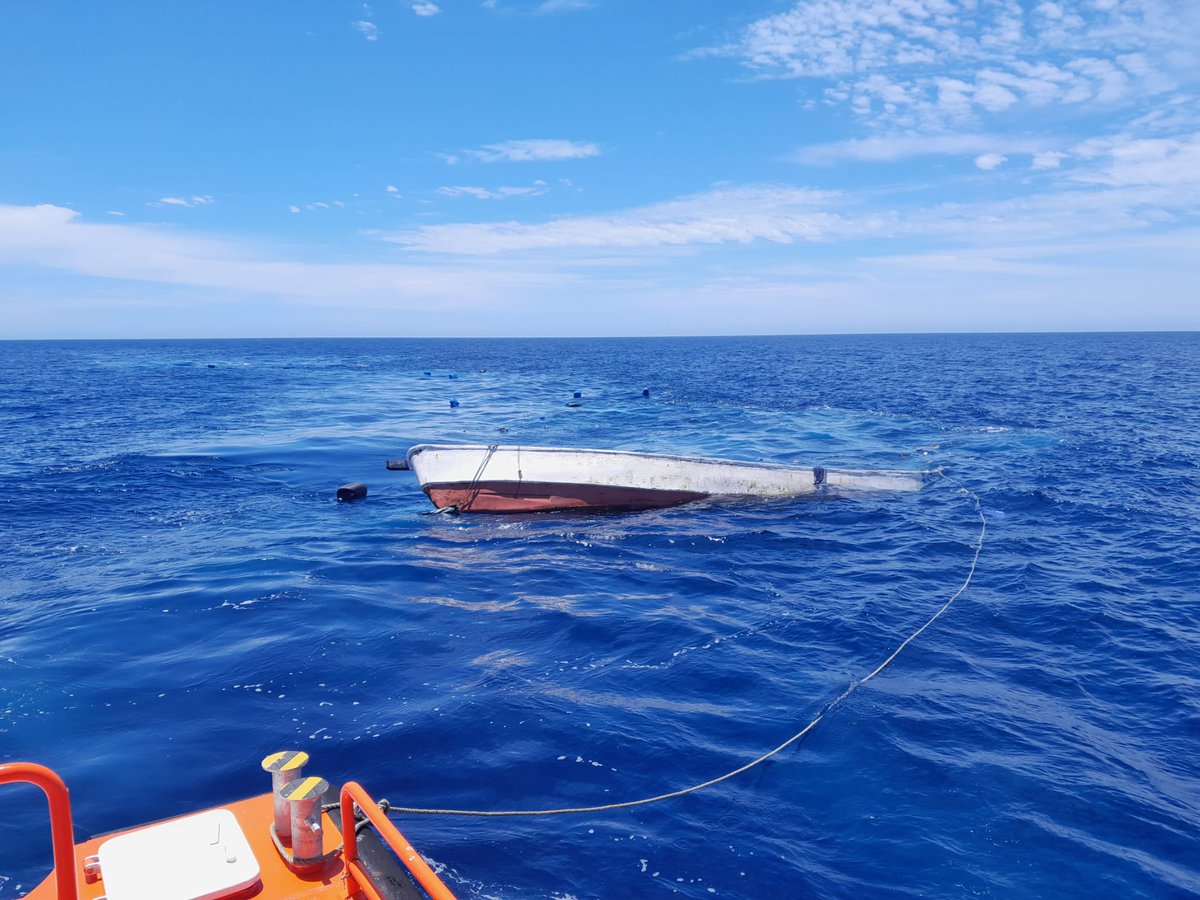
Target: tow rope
(827,710)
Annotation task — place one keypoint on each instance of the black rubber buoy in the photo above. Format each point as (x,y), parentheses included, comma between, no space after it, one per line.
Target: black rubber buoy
(356,490)
(574,403)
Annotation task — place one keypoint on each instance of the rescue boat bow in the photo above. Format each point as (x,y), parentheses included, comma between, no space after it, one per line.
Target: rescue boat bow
(286,845)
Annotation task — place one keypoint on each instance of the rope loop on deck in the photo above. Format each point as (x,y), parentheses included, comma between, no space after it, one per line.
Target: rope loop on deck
(828,708)
(303,862)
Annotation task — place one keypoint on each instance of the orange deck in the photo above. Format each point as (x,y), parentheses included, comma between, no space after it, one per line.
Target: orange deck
(278,882)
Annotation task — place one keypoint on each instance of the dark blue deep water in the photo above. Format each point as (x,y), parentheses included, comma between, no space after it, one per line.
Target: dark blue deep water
(181,594)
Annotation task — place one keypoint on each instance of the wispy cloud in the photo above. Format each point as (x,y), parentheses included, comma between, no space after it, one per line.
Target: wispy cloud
(1048,159)
(733,215)
(1127,160)
(1119,159)
(1116,183)
(318,205)
(367,29)
(537,189)
(892,148)
(804,260)
(548,7)
(185,201)
(426,9)
(543,150)
(59,238)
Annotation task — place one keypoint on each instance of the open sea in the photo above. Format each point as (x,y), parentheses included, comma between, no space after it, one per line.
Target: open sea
(180,594)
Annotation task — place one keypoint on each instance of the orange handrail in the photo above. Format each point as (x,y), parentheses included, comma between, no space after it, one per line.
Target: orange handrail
(62,835)
(357,877)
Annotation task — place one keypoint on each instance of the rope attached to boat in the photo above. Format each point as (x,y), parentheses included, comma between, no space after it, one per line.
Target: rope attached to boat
(473,487)
(827,710)
(454,509)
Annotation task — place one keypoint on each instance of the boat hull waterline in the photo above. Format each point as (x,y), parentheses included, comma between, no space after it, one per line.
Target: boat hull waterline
(507,479)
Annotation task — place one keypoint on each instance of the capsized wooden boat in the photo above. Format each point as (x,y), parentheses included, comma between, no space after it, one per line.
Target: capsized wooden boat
(285,845)
(506,479)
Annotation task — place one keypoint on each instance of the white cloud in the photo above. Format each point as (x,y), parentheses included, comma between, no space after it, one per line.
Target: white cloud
(993,97)
(56,237)
(530,151)
(929,63)
(804,261)
(293,209)
(1048,159)
(733,215)
(557,6)
(1126,161)
(426,9)
(501,193)
(1116,184)
(891,148)
(369,30)
(185,201)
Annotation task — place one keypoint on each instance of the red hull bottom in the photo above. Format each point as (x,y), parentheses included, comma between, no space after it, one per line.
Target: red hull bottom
(525,496)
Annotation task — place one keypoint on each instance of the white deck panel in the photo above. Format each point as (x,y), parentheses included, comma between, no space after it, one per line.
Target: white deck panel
(200,857)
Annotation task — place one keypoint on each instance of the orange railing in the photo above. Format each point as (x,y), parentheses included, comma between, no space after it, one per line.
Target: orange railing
(357,878)
(61,832)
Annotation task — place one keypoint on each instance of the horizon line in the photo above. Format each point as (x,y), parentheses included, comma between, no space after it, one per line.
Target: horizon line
(608,337)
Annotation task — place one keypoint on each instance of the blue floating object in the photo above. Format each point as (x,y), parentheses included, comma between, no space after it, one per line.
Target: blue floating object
(426,373)
(577,394)
(452,377)
(453,404)
(645,392)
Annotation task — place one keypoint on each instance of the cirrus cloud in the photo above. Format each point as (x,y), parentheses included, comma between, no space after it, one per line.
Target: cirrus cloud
(728,215)
(533,150)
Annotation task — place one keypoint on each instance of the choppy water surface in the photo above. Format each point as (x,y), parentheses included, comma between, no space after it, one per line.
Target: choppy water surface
(180,594)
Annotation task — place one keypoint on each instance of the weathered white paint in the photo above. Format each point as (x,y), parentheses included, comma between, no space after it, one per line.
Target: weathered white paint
(436,464)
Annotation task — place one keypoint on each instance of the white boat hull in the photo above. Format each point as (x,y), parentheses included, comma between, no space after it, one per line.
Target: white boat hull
(495,478)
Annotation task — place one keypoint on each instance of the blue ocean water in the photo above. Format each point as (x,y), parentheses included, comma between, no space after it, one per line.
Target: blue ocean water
(181,594)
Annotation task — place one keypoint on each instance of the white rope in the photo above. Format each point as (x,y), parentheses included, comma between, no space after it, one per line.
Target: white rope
(854,686)
(473,487)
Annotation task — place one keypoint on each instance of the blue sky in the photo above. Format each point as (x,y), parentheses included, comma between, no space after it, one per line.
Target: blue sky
(598,167)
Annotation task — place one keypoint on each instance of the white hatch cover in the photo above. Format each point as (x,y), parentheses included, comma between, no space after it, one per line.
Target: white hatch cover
(200,857)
